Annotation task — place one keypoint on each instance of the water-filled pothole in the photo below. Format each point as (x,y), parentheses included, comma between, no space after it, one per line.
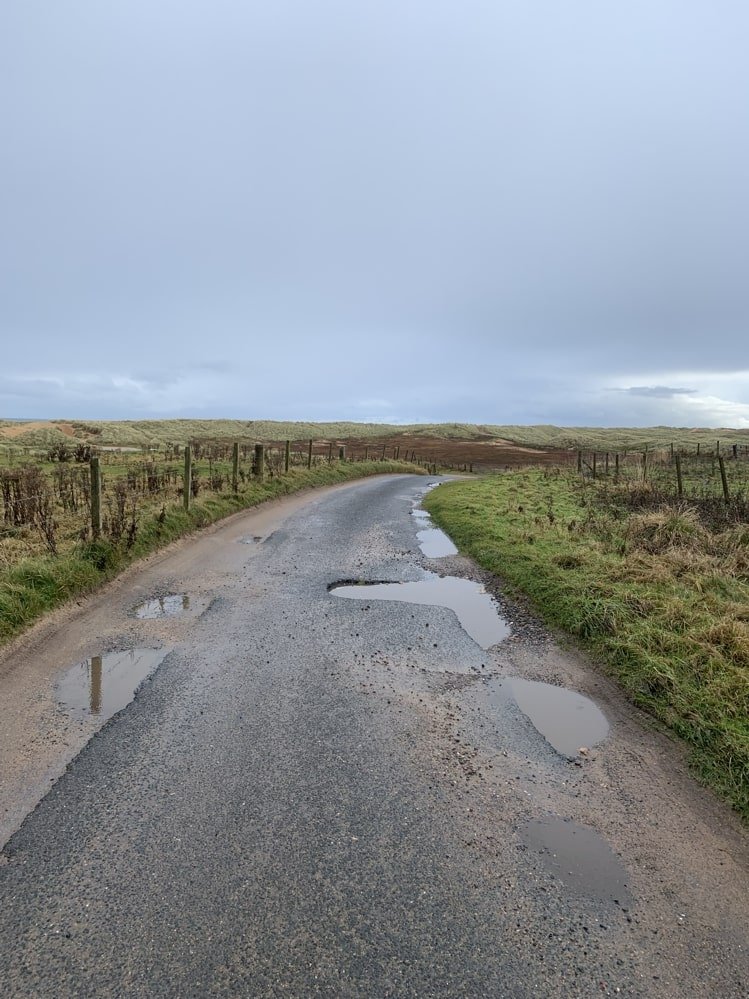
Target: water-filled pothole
(434,543)
(169,606)
(580,859)
(474,607)
(103,685)
(567,720)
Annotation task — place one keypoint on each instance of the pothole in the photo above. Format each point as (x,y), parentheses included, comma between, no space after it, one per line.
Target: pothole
(169,606)
(580,859)
(434,543)
(476,610)
(567,720)
(103,685)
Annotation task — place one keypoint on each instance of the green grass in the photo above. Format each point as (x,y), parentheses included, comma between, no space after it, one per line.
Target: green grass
(660,597)
(34,586)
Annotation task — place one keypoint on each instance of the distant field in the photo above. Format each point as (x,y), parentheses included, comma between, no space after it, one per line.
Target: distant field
(159,433)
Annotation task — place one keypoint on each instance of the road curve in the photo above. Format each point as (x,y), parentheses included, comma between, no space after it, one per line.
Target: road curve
(315,796)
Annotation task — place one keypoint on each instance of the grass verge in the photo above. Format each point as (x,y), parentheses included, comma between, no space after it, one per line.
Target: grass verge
(35,586)
(661,598)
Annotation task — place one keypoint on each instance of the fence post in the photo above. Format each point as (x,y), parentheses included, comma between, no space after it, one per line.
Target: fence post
(342,453)
(645,465)
(717,447)
(366,453)
(287,457)
(309,454)
(723,478)
(187,479)
(679,482)
(594,464)
(579,460)
(616,467)
(383,452)
(258,465)
(606,464)
(95,498)
(235,467)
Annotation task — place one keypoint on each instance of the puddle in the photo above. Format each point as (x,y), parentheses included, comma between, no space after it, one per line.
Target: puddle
(434,543)
(103,685)
(579,858)
(251,539)
(567,720)
(474,607)
(168,606)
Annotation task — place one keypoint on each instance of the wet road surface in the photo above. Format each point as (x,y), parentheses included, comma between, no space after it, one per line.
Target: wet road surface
(313,795)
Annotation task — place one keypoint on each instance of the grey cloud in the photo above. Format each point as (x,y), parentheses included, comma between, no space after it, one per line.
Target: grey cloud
(657,391)
(476,211)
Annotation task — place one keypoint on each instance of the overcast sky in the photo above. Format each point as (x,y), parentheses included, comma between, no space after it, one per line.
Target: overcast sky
(395,210)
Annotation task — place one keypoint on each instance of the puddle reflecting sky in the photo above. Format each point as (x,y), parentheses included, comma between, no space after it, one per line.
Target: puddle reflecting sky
(567,720)
(103,685)
(434,543)
(168,606)
(476,610)
(579,858)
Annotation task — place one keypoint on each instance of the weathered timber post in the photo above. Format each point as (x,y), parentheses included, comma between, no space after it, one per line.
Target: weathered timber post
(287,457)
(95,498)
(342,453)
(258,464)
(672,450)
(309,455)
(235,467)
(579,460)
(330,453)
(398,452)
(594,464)
(735,452)
(723,478)
(717,447)
(645,465)
(384,446)
(187,478)
(616,467)
(679,481)
(606,464)
(366,453)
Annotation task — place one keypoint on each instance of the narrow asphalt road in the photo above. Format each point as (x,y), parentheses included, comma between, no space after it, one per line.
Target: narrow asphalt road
(320,796)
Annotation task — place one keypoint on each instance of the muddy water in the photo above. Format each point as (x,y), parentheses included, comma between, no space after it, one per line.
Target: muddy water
(568,721)
(103,685)
(168,606)
(473,606)
(580,859)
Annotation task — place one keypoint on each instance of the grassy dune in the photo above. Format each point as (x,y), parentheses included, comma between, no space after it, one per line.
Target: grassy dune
(659,593)
(155,433)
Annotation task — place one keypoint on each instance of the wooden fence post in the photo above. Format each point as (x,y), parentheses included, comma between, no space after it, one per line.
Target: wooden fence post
(235,467)
(594,464)
(579,460)
(258,465)
(645,465)
(616,467)
(309,455)
(342,453)
(95,498)
(287,457)
(679,481)
(366,453)
(723,478)
(187,478)
(383,452)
